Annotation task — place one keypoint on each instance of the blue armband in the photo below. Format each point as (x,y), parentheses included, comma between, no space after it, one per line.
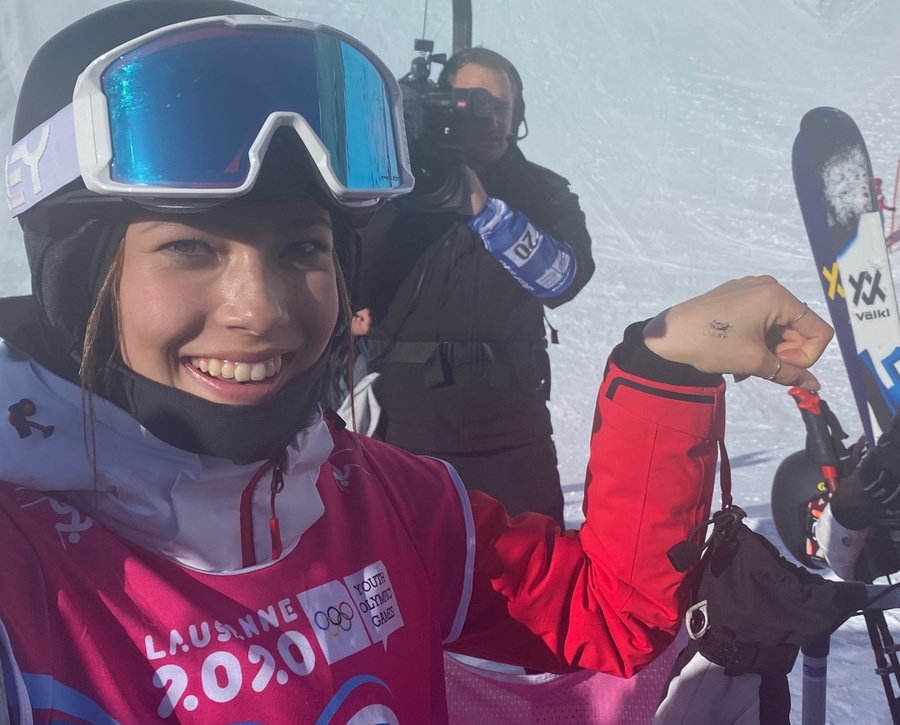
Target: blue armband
(541,264)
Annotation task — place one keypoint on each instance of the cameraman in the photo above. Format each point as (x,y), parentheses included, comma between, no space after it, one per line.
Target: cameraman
(456,296)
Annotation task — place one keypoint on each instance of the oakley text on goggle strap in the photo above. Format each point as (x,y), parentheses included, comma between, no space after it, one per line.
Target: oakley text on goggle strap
(188,111)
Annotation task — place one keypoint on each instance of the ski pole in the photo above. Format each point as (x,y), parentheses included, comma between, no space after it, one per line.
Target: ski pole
(820,446)
(895,200)
(890,649)
(815,680)
(876,631)
(819,440)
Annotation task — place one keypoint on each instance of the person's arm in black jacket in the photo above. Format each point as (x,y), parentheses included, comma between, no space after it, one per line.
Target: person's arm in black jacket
(563,218)
(537,231)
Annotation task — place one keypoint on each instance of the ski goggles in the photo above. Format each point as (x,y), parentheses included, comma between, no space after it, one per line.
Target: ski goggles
(184,115)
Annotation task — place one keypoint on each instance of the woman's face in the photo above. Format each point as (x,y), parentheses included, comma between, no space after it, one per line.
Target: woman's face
(230,304)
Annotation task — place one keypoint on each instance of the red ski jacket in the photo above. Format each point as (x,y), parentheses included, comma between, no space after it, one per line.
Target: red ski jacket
(605,597)
(348,618)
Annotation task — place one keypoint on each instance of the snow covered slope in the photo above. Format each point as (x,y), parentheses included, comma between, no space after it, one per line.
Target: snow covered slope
(674,121)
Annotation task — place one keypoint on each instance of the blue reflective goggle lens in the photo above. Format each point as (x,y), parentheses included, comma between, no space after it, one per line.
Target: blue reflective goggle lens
(185,108)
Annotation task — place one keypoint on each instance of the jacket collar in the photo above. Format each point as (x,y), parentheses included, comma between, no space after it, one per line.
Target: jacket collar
(179,504)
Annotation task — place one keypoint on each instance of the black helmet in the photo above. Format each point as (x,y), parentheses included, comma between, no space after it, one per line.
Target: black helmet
(798,491)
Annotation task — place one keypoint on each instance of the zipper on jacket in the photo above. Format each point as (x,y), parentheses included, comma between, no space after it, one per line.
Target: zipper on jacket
(248,553)
(276,487)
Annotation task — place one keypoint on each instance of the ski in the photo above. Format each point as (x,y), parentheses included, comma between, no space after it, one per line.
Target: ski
(836,190)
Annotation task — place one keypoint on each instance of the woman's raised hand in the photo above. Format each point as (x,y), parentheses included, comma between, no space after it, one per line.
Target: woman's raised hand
(748,326)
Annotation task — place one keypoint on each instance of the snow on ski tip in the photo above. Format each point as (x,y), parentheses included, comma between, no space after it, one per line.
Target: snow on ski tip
(845,185)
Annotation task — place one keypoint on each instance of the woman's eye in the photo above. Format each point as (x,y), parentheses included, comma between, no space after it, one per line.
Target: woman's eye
(303,251)
(187,247)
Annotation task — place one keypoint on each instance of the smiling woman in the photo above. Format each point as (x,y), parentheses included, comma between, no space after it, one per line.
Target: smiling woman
(250,289)
(223,549)
(235,306)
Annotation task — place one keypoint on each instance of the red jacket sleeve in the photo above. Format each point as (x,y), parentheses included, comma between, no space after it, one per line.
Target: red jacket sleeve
(605,597)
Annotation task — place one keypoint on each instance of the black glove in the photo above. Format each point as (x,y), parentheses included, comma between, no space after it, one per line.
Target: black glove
(879,470)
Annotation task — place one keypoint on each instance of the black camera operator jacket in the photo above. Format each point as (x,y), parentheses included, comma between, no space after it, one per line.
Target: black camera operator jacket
(459,343)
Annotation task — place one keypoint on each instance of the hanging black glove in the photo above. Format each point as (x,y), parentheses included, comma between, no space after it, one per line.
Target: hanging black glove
(879,470)
(869,498)
(871,492)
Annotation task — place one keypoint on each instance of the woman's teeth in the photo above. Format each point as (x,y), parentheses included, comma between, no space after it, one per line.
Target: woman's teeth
(240,372)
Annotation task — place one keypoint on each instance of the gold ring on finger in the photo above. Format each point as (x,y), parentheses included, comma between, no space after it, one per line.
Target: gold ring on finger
(805,310)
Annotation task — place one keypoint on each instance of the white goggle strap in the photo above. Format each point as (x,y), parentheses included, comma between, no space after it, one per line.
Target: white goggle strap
(42,163)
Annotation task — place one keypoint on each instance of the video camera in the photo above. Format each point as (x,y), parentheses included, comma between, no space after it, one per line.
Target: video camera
(433,117)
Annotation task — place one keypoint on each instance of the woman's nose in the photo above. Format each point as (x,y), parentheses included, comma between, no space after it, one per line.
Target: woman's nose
(254,297)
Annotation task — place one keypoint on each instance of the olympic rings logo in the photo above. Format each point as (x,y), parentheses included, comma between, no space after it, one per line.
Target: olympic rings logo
(335,620)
